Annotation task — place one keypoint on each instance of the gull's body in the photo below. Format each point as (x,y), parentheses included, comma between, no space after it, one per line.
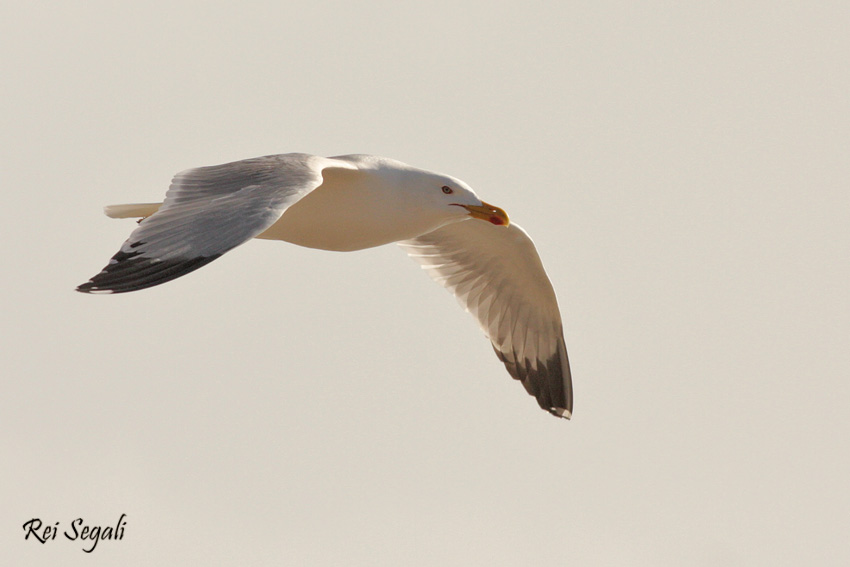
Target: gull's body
(349,203)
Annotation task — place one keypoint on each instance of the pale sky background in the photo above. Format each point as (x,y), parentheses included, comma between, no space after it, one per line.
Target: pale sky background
(684,170)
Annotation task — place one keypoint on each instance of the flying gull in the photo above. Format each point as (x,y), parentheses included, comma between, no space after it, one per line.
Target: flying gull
(349,203)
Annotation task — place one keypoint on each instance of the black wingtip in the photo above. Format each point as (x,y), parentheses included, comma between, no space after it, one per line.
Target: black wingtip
(548,381)
(90,287)
(128,272)
(561,412)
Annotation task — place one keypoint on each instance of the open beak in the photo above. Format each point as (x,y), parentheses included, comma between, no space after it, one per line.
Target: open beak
(489,213)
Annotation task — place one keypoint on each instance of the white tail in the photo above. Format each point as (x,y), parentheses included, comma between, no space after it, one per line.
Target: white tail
(131,211)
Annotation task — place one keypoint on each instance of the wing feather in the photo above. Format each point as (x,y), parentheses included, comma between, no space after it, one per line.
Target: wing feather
(496,275)
(207,212)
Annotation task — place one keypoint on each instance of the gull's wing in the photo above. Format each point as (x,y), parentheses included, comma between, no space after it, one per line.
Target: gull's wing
(208,211)
(496,274)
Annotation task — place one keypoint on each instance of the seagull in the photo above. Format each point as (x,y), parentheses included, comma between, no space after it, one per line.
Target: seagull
(352,202)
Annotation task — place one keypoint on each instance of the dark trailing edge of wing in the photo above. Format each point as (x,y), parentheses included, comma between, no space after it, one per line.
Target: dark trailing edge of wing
(129,271)
(550,382)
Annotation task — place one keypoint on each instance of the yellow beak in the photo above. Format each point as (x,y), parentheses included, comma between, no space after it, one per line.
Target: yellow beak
(489,213)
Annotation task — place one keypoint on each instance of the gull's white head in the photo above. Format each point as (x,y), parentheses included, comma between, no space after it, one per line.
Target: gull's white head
(442,197)
(460,200)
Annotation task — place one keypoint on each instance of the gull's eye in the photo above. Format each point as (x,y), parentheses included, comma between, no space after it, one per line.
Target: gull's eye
(447,190)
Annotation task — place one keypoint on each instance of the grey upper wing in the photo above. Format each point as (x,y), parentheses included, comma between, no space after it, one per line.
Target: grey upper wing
(496,274)
(208,211)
